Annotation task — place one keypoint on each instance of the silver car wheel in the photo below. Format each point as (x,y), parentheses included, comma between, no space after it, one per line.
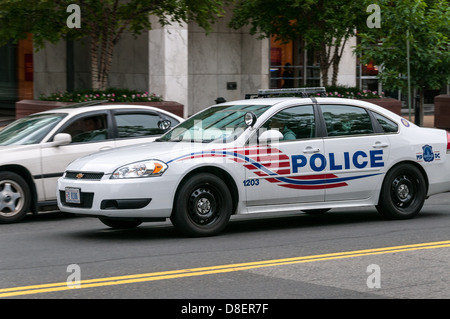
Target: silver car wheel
(12,198)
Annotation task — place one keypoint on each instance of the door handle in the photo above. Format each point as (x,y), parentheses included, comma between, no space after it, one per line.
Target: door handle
(311,150)
(380,145)
(105,148)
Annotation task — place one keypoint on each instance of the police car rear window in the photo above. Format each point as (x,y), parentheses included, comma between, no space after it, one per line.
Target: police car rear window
(387,125)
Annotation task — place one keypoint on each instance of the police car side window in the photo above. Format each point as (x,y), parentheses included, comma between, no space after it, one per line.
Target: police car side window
(343,120)
(294,123)
(387,125)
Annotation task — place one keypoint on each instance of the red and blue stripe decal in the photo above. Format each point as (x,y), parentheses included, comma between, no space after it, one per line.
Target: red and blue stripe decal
(274,166)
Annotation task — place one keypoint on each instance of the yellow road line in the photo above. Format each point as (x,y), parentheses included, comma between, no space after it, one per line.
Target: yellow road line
(127,279)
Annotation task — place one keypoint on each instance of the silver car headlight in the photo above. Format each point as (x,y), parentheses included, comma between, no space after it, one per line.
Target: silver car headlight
(140,169)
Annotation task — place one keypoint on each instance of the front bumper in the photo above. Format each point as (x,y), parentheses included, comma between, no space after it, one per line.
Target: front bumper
(145,198)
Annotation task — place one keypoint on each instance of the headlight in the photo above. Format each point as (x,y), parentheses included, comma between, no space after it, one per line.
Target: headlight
(140,169)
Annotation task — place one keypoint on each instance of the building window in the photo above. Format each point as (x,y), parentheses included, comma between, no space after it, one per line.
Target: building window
(8,76)
(287,61)
(367,74)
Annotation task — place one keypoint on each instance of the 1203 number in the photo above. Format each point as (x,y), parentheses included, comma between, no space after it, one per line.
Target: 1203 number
(251,182)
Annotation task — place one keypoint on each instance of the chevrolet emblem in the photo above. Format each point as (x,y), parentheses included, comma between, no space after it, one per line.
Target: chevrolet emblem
(79,175)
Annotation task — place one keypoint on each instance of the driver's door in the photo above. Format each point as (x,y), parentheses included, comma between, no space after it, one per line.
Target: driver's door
(289,170)
(90,133)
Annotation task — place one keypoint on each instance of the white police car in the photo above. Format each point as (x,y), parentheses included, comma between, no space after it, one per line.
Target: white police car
(35,150)
(263,155)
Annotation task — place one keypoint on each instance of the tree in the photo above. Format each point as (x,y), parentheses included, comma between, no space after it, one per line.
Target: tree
(424,26)
(102,21)
(325,25)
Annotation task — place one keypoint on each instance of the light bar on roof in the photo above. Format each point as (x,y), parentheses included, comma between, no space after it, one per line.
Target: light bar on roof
(312,90)
(293,91)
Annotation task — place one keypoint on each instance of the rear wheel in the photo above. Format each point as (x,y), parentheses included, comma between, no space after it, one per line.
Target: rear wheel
(15,197)
(203,206)
(403,192)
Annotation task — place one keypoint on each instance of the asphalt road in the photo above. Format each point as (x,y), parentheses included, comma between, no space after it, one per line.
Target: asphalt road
(343,254)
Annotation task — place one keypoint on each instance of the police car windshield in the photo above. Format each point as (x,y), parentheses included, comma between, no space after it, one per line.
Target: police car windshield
(30,130)
(222,123)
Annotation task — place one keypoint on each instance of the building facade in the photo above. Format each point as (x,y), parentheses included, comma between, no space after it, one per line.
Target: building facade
(16,74)
(179,62)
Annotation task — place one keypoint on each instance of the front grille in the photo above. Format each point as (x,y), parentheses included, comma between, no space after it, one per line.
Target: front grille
(96,176)
(86,200)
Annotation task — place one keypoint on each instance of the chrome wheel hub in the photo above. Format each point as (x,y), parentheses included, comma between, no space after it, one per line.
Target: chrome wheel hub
(203,206)
(403,191)
(10,198)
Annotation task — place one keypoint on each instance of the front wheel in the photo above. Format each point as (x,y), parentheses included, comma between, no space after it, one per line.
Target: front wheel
(403,192)
(15,198)
(203,206)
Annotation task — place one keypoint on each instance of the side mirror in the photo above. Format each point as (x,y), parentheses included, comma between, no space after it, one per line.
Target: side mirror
(164,124)
(250,118)
(62,139)
(270,136)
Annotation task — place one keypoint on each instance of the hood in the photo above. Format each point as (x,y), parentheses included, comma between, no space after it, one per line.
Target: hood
(14,153)
(108,161)
(14,147)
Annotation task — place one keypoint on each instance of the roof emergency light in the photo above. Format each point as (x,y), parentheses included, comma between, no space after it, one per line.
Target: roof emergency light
(303,92)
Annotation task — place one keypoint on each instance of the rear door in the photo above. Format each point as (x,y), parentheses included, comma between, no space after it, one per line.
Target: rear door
(90,133)
(356,152)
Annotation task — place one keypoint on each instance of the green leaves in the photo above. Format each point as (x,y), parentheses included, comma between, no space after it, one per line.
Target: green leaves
(104,21)
(317,21)
(320,23)
(428,25)
(46,20)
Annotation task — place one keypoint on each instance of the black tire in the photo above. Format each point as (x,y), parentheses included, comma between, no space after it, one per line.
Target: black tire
(15,198)
(403,192)
(120,224)
(202,206)
(318,211)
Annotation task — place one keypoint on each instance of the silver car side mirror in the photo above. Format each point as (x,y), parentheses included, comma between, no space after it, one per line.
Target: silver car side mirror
(61,139)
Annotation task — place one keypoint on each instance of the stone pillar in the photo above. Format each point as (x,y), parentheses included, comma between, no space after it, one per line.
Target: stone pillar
(347,65)
(254,63)
(50,69)
(225,63)
(168,62)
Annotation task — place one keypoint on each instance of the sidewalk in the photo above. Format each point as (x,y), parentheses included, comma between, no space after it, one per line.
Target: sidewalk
(428,120)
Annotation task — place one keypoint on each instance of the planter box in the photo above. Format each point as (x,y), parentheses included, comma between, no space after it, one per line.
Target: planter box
(388,103)
(27,107)
(442,111)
